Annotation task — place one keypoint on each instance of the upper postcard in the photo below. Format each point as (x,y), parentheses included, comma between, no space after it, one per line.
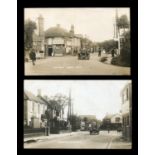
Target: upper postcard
(77,41)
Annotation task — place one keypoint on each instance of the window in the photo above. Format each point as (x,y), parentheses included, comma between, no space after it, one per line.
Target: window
(127,120)
(117,119)
(127,94)
(38,108)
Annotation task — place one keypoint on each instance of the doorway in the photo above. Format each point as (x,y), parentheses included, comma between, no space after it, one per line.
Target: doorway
(50,51)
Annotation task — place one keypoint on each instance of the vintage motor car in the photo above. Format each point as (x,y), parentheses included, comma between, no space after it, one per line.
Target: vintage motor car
(94,129)
(83,55)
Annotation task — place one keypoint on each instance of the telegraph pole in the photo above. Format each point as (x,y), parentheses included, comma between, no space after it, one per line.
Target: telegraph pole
(116,30)
(69,106)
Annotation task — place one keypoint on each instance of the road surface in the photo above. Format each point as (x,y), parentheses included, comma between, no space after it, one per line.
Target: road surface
(70,65)
(83,140)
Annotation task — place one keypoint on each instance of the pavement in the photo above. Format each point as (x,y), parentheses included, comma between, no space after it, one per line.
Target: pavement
(51,136)
(80,140)
(109,58)
(70,65)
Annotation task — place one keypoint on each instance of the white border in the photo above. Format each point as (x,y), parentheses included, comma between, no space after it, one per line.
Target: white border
(8,77)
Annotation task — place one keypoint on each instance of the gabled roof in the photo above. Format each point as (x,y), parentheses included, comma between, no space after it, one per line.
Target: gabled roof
(43,100)
(28,95)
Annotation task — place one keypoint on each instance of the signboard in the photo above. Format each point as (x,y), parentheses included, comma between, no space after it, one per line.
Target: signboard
(58,41)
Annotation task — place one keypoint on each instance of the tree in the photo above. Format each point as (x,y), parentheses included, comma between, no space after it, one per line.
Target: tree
(56,105)
(85,119)
(29,28)
(123,22)
(125,51)
(108,45)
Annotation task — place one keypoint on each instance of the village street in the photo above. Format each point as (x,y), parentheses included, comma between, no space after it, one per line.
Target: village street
(83,140)
(70,65)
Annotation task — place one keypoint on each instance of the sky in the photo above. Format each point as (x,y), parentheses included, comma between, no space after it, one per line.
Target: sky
(96,23)
(89,97)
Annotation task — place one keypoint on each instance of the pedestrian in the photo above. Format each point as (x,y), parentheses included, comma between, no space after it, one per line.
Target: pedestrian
(113,52)
(33,56)
(99,52)
(69,126)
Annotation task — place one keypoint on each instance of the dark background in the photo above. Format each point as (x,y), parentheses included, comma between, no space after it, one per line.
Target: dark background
(133,4)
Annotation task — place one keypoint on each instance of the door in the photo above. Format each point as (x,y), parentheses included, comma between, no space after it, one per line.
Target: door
(50,50)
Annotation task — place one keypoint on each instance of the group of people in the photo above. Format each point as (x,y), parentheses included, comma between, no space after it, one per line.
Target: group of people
(32,53)
(113,52)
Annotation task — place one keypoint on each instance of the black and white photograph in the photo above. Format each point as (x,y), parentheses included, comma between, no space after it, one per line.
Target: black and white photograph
(77,114)
(77,41)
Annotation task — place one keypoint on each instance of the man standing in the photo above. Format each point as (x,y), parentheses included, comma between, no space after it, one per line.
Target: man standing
(113,52)
(99,52)
(33,56)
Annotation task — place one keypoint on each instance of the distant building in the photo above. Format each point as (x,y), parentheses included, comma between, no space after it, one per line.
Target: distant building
(86,120)
(112,121)
(126,95)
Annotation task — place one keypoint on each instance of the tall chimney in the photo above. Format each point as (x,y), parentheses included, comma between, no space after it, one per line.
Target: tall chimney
(41,26)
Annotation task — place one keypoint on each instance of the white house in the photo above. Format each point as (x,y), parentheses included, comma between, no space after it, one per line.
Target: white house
(58,40)
(34,107)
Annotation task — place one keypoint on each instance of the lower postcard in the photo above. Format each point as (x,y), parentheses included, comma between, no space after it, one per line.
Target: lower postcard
(77,114)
